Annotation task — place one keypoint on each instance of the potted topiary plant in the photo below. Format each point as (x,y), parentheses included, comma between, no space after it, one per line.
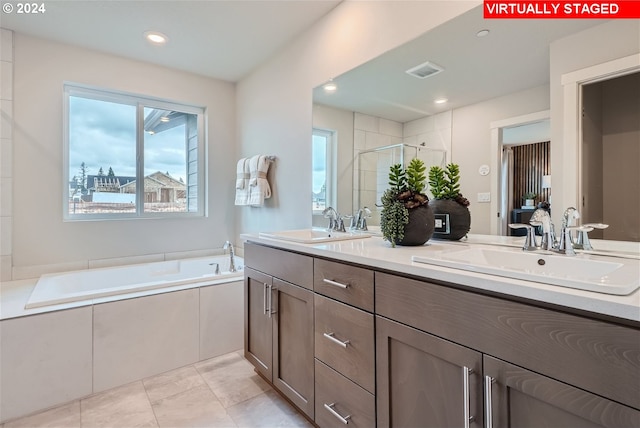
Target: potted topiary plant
(529,199)
(450,208)
(406,218)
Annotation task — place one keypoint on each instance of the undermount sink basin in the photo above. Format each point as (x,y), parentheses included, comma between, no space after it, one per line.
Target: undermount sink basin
(313,236)
(583,271)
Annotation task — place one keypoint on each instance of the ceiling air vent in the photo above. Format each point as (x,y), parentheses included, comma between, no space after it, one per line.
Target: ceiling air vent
(425,70)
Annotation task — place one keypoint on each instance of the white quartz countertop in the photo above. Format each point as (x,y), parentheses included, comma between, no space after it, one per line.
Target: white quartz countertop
(378,254)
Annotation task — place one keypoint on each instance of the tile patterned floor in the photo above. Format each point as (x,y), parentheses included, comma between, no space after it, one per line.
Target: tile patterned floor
(220,392)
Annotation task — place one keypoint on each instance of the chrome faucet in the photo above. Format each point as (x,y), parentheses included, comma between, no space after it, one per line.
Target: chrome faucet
(359,221)
(581,241)
(541,217)
(228,245)
(569,220)
(336,222)
(530,240)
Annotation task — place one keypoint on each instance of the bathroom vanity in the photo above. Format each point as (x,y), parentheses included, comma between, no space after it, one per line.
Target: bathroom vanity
(360,333)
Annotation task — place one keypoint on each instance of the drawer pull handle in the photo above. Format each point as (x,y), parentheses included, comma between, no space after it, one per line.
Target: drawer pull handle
(335,283)
(344,420)
(265,298)
(332,338)
(466,371)
(488,406)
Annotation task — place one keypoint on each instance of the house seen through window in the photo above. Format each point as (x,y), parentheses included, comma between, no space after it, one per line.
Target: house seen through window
(129,156)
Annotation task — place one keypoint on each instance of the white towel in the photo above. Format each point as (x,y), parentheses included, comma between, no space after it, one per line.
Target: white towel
(253,170)
(242,179)
(261,190)
(242,193)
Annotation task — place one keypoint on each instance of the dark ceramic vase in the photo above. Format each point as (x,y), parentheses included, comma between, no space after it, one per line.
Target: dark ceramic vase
(420,227)
(455,218)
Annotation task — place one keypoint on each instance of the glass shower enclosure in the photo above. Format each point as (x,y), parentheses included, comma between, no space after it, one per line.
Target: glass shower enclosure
(372,172)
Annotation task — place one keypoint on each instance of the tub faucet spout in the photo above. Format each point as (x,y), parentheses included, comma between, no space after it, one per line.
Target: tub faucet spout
(228,245)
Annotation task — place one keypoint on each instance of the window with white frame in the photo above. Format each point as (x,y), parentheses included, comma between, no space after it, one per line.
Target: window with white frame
(131,156)
(323,190)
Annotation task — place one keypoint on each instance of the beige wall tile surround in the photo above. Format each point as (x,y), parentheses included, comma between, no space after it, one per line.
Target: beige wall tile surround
(221,305)
(142,337)
(121,261)
(52,351)
(6,45)
(6,153)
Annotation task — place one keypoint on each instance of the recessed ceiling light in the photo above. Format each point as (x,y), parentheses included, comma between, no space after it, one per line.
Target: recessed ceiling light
(440,100)
(482,33)
(330,86)
(156,38)
(164,119)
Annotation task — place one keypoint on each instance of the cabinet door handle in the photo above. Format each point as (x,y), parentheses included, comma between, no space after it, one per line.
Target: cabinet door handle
(332,338)
(466,371)
(488,406)
(344,420)
(264,295)
(335,283)
(270,309)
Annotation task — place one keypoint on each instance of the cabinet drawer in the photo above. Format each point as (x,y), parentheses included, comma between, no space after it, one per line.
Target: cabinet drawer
(594,355)
(344,340)
(336,393)
(292,267)
(349,284)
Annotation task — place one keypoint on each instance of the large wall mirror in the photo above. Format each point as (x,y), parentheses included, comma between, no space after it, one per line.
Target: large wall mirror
(488,71)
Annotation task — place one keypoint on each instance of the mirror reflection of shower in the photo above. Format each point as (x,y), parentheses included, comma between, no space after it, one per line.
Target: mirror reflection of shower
(372,177)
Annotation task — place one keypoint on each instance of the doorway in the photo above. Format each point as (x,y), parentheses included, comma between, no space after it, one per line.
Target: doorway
(516,131)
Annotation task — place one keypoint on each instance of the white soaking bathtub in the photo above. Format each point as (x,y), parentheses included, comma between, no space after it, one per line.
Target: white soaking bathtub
(58,288)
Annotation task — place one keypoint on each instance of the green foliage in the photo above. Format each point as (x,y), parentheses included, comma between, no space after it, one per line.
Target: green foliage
(397,178)
(415,175)
(405,193)
(393,218)
(444,183)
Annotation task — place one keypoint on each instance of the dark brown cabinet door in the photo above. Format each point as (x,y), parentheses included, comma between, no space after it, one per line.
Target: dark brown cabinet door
(425,381)
(292,308)
(516,397)
(258,335)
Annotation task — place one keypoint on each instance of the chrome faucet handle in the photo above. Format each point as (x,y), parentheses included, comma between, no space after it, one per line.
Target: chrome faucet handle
(359,221)
(333,216)
(530,240)
(583,242)
(570,216)
(365,213)
(565,246)
(228,245)
(217,270)
(541,217)
(339,225)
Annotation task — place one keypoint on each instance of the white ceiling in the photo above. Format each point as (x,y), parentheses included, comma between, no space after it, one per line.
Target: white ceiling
(215,38)
(512,58)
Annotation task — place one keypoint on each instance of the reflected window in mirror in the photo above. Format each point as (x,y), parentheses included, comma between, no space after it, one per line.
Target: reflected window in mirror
(323,190)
